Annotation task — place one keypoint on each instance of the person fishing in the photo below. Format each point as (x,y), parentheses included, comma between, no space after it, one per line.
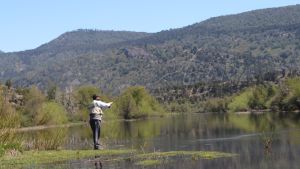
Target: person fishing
(96,117)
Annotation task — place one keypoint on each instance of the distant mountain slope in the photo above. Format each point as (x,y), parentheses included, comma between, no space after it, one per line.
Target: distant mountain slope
(90,39)
(254,19)
(261,44)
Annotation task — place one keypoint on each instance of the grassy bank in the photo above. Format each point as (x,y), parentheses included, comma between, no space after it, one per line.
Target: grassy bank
(35,158)
(32,158)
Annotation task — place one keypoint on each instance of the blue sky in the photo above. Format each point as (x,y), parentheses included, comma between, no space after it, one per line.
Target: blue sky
(26,24)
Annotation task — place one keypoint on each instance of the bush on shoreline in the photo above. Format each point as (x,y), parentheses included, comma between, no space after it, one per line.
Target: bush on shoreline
(288,96)
(284,96)
(136,102)
(51,113)
(253,98)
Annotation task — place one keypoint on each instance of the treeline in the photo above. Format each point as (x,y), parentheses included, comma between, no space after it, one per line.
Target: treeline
(200,91)
(284,96)
(281,96)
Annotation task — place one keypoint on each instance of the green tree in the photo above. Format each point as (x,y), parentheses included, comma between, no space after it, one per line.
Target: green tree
(34,100)
(136,102)
(127,106)
(51,113)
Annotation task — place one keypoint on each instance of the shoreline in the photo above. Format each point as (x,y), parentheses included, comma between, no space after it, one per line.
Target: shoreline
(43,127)
(34,128)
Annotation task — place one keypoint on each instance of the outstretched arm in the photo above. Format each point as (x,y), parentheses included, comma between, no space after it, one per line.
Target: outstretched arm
(102,104)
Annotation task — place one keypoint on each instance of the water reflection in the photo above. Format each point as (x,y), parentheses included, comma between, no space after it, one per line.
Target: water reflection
(267,140)
(98,163)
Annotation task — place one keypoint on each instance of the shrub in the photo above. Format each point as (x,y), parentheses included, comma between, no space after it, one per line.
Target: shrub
(136,102)
(288,96)
(51,113)
(127,105)
(34,100)
(240,102)
(256,97)
(261,95)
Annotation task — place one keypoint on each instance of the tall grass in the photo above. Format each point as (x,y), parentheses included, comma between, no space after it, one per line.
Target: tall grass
(9,120)
(51,139)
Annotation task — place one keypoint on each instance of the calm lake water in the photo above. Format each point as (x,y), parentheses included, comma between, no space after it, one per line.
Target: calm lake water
(244,135)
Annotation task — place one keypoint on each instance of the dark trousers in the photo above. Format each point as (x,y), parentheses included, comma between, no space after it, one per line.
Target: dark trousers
(95,125)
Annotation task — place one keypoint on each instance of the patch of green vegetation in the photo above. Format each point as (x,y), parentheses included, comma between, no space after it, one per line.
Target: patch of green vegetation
(12,146)
(9,119)
(280,97)
(149,162)
(51,113)
(257,97)
(241,101)
(287,97)
(45,157)
(136,102)
(157,158)
(192,154)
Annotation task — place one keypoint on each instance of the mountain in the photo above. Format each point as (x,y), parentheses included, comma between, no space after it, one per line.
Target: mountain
(85,39)
(261,44)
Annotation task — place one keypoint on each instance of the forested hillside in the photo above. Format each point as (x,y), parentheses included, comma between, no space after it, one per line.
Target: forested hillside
(256,45)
